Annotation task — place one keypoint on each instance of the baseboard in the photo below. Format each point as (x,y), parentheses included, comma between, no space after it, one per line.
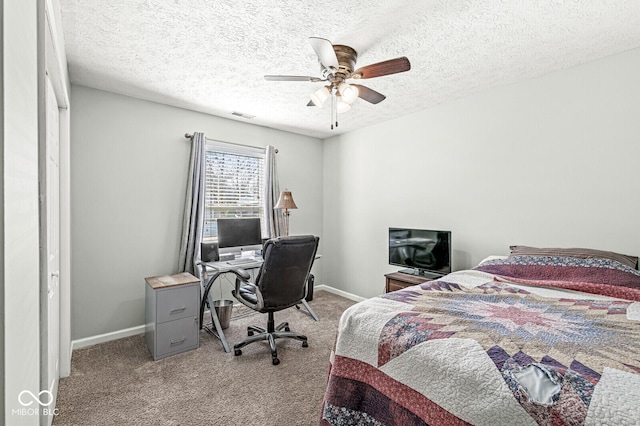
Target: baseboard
(342,293)
(107,337)
(119,334)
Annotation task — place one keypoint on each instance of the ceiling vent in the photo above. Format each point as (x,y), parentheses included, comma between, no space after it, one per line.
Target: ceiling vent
(243,115)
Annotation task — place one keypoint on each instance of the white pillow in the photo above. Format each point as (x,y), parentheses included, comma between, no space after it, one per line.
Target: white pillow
(492,257)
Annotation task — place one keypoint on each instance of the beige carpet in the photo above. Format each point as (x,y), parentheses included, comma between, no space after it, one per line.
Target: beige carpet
(118,383)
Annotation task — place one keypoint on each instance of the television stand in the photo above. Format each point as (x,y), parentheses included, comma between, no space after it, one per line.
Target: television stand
(400,280)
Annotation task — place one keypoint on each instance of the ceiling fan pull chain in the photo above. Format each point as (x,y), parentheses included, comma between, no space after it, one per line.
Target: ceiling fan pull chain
(335,107)
(333,101)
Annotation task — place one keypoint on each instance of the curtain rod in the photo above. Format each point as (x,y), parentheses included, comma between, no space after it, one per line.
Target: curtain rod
(190,136)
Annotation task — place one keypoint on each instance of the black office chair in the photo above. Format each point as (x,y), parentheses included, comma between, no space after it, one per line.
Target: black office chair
(280,284)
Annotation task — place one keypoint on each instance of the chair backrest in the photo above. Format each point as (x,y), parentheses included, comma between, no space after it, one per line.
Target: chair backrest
(287,263)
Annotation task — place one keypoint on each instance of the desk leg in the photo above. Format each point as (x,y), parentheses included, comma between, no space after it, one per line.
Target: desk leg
(216,322)
(309,310)
(212,310)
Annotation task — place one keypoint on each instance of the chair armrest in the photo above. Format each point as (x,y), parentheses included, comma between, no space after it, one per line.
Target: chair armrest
(242,279)
(241,273)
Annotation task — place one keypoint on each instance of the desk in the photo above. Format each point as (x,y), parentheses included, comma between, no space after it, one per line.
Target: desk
(219,268)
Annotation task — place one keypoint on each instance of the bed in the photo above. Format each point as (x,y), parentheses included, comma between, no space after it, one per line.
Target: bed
(541,337)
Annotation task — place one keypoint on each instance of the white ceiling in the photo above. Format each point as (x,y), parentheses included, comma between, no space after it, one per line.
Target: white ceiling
(211,56)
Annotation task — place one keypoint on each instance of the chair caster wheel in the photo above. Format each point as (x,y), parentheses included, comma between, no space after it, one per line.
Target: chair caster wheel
(237,352)
(275,361)
(305,344)
(249,333)
(287,329)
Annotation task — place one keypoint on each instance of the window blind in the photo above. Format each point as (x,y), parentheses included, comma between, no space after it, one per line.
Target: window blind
(234,185)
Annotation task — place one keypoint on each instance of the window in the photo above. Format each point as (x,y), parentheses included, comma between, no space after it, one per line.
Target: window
(234,185)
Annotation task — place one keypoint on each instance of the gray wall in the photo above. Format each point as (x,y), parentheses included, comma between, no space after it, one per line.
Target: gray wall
(129,162)
(20,281)
(552,161)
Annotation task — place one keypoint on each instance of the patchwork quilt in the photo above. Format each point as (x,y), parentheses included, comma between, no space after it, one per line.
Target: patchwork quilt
(470,348)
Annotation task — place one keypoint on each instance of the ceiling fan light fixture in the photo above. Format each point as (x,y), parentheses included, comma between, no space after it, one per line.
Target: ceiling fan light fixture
(320,96)
(349,93)
(341,105)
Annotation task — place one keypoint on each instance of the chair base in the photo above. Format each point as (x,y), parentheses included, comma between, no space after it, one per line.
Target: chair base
(270,334)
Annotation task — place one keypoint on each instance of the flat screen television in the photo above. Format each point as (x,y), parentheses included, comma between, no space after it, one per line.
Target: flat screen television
(238,235)
(421,251)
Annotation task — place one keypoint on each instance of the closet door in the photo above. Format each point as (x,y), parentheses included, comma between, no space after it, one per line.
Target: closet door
(51,307)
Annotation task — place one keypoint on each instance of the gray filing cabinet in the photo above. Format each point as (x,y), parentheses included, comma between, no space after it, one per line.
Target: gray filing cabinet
(172,305)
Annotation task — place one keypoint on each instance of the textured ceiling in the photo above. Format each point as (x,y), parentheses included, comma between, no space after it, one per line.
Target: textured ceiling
(211,56)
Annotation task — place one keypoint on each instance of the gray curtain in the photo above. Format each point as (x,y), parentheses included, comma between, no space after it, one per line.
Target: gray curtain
(274,219)
(193,219)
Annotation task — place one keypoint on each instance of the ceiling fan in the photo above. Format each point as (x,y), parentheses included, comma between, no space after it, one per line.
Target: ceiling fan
(337,63)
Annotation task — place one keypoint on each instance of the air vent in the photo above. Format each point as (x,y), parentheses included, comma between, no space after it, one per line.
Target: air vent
(243,115)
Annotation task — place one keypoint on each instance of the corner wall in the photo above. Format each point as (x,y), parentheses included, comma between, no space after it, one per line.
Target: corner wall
(20,281)
(129,163)
(551,161)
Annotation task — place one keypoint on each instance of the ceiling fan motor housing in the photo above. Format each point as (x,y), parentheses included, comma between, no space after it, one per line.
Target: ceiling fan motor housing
(347,57)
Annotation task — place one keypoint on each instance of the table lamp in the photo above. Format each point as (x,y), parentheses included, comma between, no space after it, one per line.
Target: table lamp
(285,201)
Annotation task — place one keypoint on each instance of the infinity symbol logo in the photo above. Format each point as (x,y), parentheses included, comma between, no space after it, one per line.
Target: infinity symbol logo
(35,398)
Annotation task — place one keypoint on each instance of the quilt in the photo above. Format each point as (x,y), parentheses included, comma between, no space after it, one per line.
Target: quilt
(470,348)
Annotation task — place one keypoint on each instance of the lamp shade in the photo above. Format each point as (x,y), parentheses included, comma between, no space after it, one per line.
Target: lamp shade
(342,106)
(285,201)
(349,93)
(320,96)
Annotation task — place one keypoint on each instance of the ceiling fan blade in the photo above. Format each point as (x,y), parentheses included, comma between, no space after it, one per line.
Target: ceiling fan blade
(292,78)
(369,95)
(392,66)
(325,52)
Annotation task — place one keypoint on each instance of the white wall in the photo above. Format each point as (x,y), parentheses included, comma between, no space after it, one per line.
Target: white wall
(129,162)
(20,283)
(551,161)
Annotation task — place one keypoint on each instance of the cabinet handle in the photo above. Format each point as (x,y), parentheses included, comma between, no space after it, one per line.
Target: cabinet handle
(175,342)
(173,311)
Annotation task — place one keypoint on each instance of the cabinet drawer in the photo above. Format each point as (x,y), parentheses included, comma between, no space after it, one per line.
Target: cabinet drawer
(176,336)
(397,285)
(177,302)
(398,280)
